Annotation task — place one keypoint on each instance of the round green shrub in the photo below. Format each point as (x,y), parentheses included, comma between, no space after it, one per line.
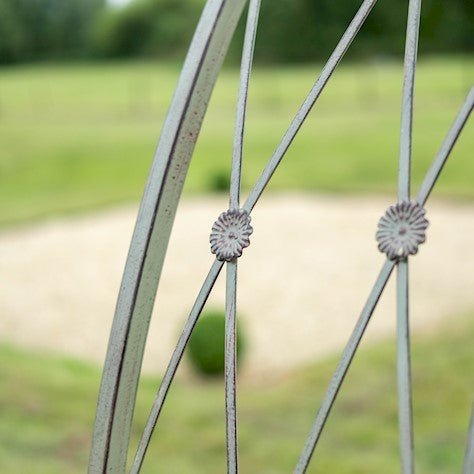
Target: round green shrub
(219,181)
(207,343)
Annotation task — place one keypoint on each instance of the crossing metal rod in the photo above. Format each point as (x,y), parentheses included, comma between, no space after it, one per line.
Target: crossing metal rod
(445,150)
(343,366)
(311,98)
(198,306)
(351,347)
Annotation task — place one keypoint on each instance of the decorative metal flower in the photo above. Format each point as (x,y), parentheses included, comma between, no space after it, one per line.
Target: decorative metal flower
(230,234)
(401,230)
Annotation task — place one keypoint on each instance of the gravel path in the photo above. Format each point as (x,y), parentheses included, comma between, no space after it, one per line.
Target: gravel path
(302,281)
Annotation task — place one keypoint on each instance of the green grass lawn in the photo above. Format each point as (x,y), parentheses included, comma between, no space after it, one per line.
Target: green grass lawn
(47,406)
(79,136)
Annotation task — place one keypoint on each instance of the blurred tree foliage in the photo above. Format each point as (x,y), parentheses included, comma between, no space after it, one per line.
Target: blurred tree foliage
(160,28)
(289,30)
(305,30)
(39,29)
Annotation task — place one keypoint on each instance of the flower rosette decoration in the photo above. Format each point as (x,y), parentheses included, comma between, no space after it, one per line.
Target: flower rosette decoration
(230,234)
(401,230)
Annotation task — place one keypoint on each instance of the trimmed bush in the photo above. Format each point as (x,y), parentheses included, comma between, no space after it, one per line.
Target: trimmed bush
(207,344)
(219,181)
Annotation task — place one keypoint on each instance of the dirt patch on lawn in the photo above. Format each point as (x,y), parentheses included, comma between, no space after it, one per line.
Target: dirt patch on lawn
(302,281)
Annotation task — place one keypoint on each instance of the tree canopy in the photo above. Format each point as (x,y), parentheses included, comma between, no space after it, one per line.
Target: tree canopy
(289,30)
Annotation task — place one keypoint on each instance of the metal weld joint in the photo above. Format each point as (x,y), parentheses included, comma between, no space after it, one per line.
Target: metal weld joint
(401,230)
(230,234)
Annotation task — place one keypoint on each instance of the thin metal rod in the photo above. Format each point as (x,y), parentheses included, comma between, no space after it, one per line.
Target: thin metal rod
(405,416)
(342,368)
(309,102)
(411,48)
(174,363)
(245,71)
(234,202)
(469,456)
(231,368)
(446,148)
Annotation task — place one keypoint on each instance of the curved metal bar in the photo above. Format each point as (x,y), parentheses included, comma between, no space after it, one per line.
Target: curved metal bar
(174,363)
(446,148)
(148,248)
(343,367)
(309,102)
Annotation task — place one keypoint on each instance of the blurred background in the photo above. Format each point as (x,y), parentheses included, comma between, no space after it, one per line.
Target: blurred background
(84,89)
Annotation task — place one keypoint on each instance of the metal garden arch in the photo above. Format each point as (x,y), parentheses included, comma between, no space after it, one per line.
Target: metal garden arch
(400,231)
